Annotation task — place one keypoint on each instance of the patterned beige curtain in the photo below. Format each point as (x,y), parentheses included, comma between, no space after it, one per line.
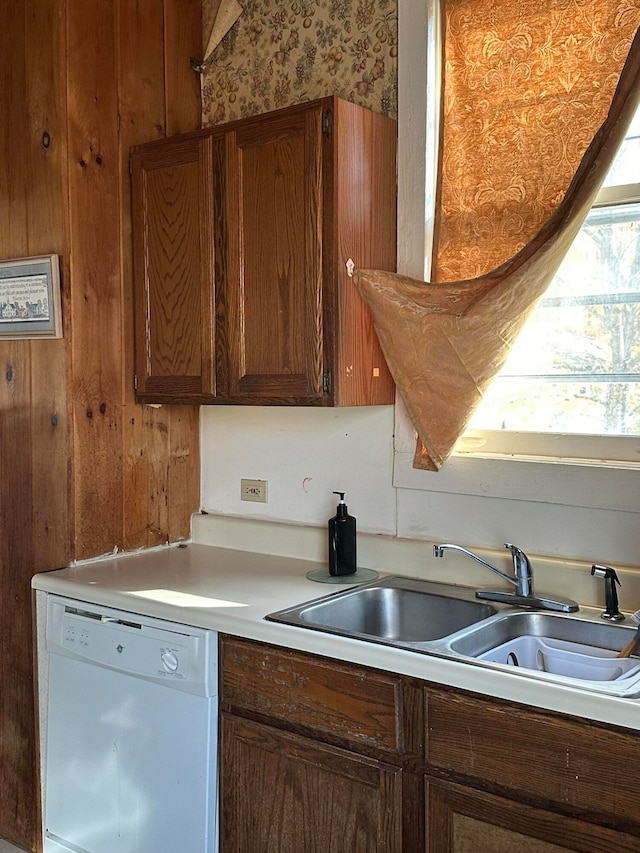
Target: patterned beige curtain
(526,87)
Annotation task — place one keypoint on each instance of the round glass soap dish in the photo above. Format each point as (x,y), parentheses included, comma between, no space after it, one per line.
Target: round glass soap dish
(359,576)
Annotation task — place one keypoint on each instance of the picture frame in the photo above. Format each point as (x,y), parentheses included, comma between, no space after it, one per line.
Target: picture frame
(30,305)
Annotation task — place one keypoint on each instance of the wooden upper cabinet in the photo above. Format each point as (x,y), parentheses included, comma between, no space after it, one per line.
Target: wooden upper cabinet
(173,268)
(278,204)
(269,275)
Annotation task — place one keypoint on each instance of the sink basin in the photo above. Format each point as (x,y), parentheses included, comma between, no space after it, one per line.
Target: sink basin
(517,624)
(447,621)
(544,645)
(397,610)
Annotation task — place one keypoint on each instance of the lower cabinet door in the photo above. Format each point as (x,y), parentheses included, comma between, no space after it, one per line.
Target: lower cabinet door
(282,793)
(464,820)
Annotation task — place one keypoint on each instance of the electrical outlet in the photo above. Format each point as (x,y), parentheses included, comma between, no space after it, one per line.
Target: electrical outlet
(254,490)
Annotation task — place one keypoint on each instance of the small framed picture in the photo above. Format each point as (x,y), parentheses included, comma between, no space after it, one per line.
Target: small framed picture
(30,298)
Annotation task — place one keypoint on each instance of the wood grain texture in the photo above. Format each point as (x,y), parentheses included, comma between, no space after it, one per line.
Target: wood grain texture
(183,40)
(348,705)
(274,290)
(309,199)
(544,756)
(33,450)
(174,298)
(140,36)
(365,215)
(13,58)
(47,232)
(161,485)
(174,471)
(292,196)
(16,559)
(173,257)
(96,345)
(482,775)
(282,792)
(460,820)
(80,83)
(113,106)
(183,473)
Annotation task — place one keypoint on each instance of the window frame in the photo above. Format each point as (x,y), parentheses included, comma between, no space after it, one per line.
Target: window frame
(573,448)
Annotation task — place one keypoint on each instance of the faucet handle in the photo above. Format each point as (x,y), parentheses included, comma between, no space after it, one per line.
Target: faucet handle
(517,554)
(521,569)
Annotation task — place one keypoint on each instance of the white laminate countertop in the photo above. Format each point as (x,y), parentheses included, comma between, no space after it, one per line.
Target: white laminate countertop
(231,591)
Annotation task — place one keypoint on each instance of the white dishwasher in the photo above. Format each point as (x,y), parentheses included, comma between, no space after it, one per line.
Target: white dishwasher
(131,733)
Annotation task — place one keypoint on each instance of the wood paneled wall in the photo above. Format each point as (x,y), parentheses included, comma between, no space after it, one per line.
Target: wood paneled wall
(83,469)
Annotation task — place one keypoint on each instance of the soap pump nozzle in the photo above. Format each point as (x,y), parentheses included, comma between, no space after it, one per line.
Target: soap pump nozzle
(341,509)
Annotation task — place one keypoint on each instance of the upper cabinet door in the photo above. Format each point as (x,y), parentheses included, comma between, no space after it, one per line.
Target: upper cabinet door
(269,270)
(172,183)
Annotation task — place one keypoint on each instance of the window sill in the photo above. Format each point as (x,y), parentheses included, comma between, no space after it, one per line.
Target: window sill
(575,483)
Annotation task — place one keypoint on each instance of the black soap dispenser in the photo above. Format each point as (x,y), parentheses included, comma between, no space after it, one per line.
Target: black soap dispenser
(342,541)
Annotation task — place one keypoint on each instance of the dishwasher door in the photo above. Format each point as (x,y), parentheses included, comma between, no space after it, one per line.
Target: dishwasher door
(131,734)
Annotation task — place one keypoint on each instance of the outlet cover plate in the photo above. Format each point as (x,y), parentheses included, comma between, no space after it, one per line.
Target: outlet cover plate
(254,490)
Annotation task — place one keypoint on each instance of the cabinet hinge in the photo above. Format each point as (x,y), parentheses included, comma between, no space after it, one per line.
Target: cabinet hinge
(327,123)
(135,381)
(326,381)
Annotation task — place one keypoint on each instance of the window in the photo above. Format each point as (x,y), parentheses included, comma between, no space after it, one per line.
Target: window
(577,510)
(574,373)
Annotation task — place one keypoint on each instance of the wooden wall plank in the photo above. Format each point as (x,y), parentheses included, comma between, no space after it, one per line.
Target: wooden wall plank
(46,147)
(183,39)
(12,128)
(184,470)
(17,748)
(142,117)
(13,232)
(94,215)
(158,432)
(16,559)
(50,457)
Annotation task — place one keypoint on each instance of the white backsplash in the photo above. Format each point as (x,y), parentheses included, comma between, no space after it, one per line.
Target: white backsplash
(306,454)
(410,557)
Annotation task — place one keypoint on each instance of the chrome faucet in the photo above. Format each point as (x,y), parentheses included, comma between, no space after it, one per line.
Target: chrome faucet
(522,580)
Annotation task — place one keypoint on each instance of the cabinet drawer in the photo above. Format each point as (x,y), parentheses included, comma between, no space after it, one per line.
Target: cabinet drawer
(343,704)
(558,759)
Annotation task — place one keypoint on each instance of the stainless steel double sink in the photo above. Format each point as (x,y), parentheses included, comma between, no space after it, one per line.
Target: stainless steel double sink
(447,621)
